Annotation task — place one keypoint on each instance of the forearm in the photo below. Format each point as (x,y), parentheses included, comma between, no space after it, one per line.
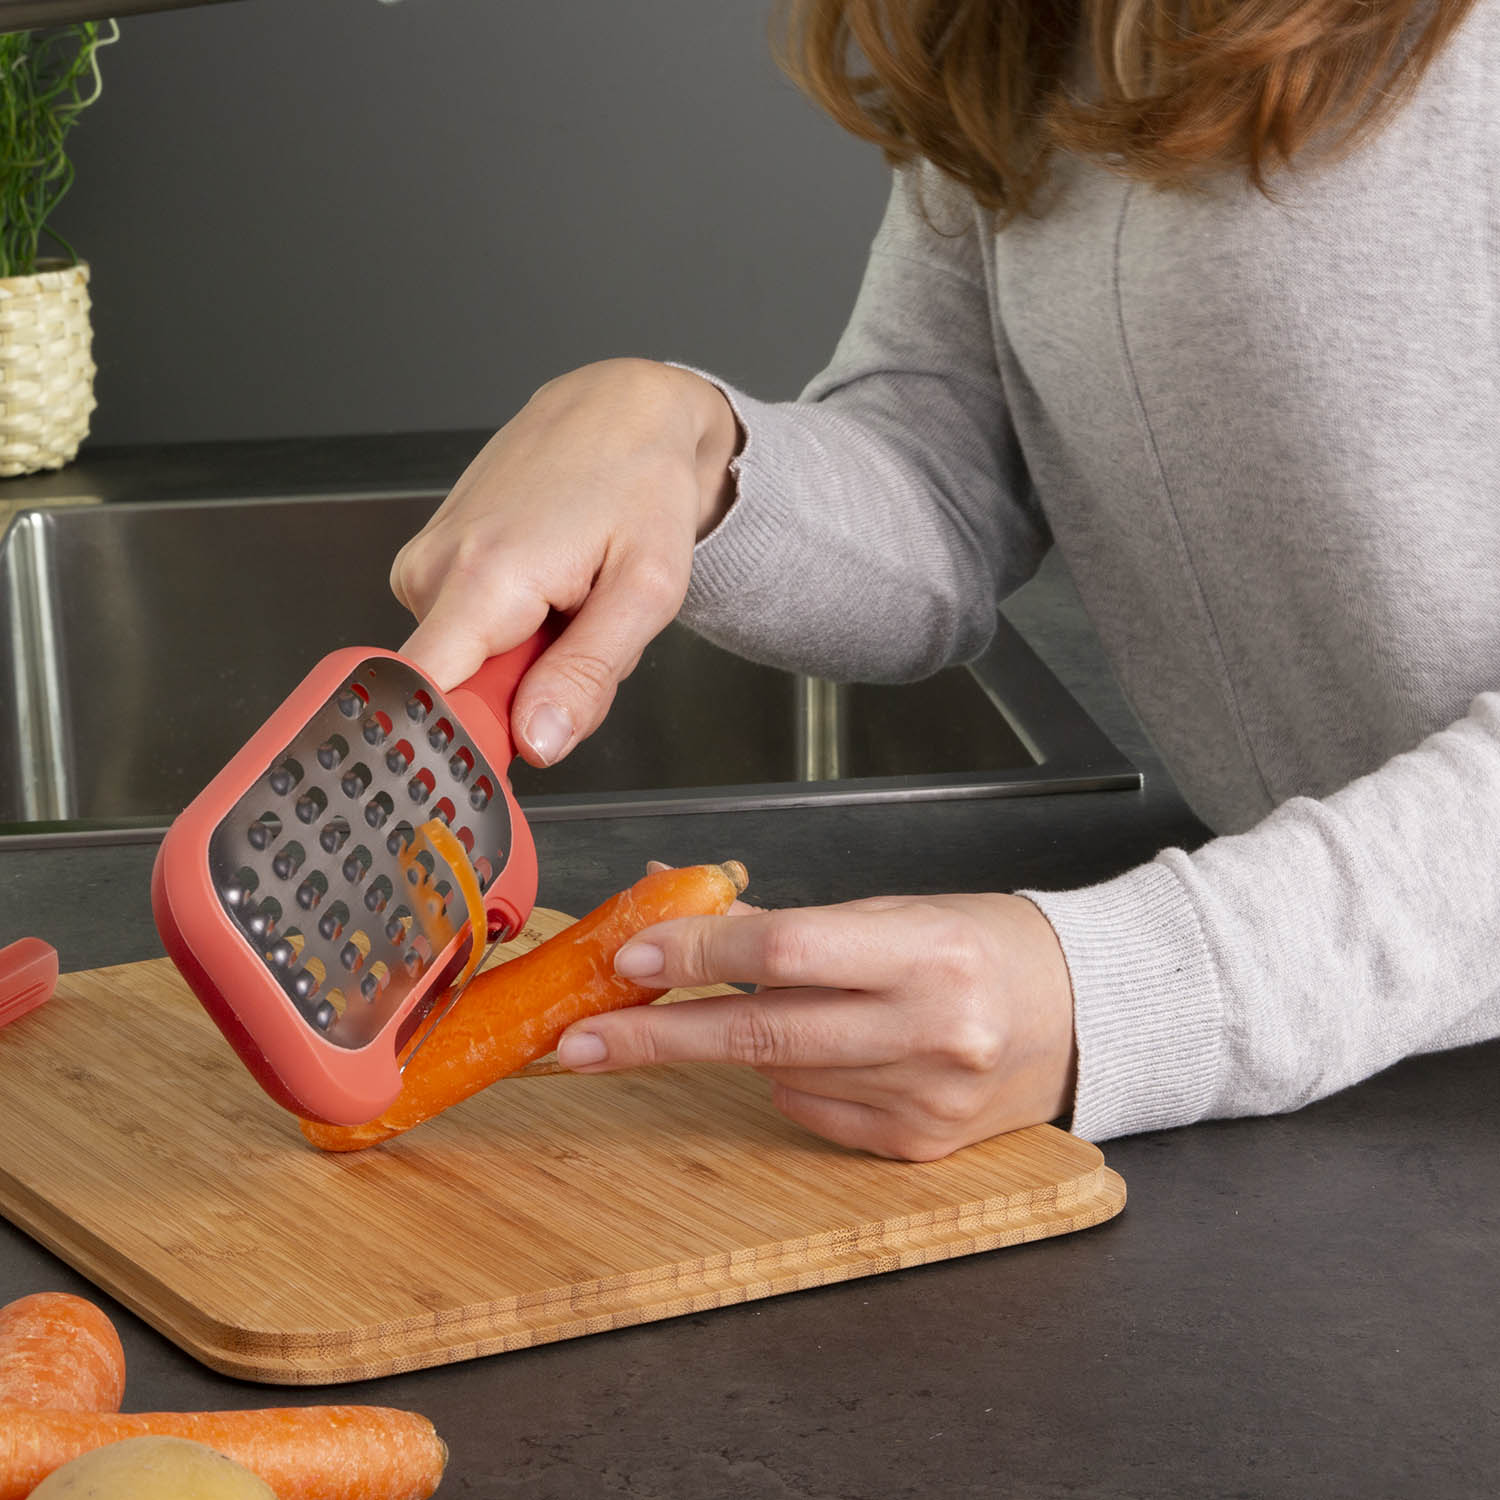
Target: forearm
(878,519)
(1278,966)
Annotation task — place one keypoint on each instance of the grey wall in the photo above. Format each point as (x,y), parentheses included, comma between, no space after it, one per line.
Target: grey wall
(340,216)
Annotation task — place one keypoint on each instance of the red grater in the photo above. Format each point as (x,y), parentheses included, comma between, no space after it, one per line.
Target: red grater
(283,891)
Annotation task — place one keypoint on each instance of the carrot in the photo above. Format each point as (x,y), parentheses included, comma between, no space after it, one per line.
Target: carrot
(303,1453)
(59,1351)
(513,1014)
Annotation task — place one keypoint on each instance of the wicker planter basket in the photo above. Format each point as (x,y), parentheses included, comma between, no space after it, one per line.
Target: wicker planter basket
(46,368)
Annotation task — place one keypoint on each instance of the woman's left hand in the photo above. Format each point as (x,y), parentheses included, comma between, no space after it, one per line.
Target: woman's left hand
(902,1025)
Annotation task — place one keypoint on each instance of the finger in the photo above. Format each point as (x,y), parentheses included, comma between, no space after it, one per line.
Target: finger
(777,1028)
(833,947)
(469,622)
(861,1127)
(566,695)
(841,1121)
(882,1085)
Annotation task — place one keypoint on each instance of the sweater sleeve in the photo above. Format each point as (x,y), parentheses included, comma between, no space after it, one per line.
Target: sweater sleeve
(1274,967)
(880,518)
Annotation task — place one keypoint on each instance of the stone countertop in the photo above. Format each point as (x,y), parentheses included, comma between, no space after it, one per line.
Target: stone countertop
(1297,1306)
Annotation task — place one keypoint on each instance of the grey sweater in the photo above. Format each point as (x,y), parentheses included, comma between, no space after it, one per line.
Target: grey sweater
(1266,438)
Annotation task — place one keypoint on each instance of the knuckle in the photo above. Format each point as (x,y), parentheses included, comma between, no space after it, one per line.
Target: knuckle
(920,1145)
(950,950)
(950,1108)
(659,582)
(473,553)
(906,1139)
(753,1038)
(785,948)
(976,1045)
(588,672)
(637,1046)
(693,959)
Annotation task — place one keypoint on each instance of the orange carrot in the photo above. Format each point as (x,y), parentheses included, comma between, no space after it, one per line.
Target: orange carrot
(303,1453)
(61,1352)
(513,1014)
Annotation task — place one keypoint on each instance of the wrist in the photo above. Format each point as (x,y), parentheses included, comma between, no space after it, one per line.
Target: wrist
(719,439)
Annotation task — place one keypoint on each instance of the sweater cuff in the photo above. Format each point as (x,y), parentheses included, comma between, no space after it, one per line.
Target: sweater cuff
(771,464)
(1147,1002)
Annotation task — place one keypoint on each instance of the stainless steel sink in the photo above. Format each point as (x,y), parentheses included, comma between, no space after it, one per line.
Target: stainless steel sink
(141,644)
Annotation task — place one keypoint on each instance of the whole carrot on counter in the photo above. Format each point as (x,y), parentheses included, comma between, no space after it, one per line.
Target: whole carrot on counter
(59,1352)
(303,1453)
(513,1014)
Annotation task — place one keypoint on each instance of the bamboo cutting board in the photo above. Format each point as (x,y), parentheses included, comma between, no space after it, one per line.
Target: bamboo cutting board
(137,1148)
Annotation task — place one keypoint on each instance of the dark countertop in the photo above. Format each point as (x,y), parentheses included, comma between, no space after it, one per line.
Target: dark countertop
(1288,1307)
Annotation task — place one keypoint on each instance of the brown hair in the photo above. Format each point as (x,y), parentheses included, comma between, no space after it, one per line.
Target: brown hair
(983,88)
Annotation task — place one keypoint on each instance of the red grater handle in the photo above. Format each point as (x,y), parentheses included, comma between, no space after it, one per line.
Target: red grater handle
(483,701)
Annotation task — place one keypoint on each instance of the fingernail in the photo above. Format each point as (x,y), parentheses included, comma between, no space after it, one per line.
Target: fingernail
(581,1049)
(639,960)
(548,731)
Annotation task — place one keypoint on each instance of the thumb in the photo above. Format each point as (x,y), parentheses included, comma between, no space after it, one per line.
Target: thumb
(566,695)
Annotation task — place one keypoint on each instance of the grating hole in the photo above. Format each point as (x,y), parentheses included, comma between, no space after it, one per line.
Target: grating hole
(378,809)
(376,728)
(285,777)
(241,886)
(355,782)
(379,893)
(312,804)
(332,751)
(334,835)
(309,979)
(288,861)
(333,921)
(355,951)
(264,831)
(312,890)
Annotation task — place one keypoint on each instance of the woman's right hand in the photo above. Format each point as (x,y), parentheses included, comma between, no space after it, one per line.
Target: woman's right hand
(588,502)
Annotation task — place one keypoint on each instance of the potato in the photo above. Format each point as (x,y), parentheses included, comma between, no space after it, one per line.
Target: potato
(153,1468)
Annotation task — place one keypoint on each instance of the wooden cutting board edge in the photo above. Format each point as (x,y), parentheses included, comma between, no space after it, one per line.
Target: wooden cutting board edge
(318,1359)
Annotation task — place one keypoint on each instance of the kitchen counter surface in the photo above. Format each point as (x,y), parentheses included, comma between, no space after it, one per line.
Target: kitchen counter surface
(1307,1305)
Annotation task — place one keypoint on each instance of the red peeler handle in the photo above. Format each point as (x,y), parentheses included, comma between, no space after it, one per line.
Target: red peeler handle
(486,696)
(28,975)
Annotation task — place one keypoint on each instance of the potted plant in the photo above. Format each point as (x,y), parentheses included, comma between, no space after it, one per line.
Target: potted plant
(47,79)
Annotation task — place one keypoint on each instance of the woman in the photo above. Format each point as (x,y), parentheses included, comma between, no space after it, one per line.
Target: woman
(1206,294)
